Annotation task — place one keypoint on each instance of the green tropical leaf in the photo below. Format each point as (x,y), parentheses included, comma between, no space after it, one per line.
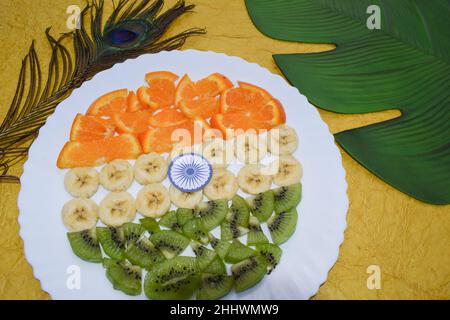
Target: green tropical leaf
(404,65)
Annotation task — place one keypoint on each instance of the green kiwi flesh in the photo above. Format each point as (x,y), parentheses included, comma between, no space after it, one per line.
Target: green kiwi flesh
(184,215)
(124,276)
(212,213)
(214,286)
(169,220)
(85,245)
(271,253)
(238,252)
(204,255)
(112,241)
(282,225)
(220,246)
(231,230)
(150,224)
(174,279)
(169,242)
(287,197)
(132,231)
(262,205)
(239,211)
(193,229)
(217,266)
(143,252)
(248,272)
(255,235)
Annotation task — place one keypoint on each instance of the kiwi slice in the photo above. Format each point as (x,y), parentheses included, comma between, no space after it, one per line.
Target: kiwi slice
(174,279)
(238,252)
(211,213)
(255,235)
(204,255)
(124,276)
(217,266)
(184,215)
(112,241)
(220,246)
(169,242)
(231,230)
(239,211)
(143,252)
(214,286)
(193,229)
(132,231)
(287,197)
(272,254)
(85,245)
(249,272)
(169,220)
(150,224)
(282,225)
(262,205)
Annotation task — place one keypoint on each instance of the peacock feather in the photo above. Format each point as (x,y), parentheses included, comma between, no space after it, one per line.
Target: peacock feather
(133,28)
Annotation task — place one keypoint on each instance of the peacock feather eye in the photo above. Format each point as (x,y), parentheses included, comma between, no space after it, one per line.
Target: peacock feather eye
(127,34)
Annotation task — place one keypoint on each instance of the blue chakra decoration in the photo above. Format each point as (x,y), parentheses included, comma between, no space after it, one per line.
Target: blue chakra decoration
(190,172)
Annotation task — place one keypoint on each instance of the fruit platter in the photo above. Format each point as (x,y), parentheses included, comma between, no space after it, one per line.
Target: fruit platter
(183,175)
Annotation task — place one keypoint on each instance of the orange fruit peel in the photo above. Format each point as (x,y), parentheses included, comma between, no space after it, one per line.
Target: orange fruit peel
(109,104)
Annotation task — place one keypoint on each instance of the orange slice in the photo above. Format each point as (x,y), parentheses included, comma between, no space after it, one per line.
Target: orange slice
(167,118)
(199,99)
(132,122)
(231,124)
(163,139)
(160,92)
(88,128)
(110,103)
(93,153)
(133,103)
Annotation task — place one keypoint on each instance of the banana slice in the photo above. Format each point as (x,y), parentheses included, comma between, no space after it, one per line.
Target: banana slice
(117,208)
(223,185)
(185,199)
(254,179)
(116,175)
(218,152)
(250,148)
(180,148)
(153,200)
(80,214)
(283,140)
(150,168)
(81,182)
(289,171)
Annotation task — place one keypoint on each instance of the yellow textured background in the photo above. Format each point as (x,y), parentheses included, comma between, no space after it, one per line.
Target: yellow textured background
(409,240)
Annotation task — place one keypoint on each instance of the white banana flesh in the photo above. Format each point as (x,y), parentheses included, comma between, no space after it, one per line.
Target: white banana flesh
(223,185)
(150,168)
(117,208)
(81,182)
(153,200)
(116,175)
(79,214)
(290,171)
(254,179)
(185,199)
(250,148)
(218,152)
(283,140)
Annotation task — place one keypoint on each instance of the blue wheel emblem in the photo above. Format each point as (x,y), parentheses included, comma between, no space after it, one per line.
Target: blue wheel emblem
(190,172)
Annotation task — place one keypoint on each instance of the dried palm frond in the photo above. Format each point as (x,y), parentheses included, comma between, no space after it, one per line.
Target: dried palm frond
(133,28)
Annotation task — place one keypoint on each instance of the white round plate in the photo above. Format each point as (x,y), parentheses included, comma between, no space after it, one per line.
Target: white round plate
(307,256)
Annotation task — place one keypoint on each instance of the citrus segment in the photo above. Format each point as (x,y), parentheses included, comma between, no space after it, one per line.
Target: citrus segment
(167,118)
(163,139)
(235,123)
(133,103)
(110,103)
(93,153)
(132,122)
(151,77)
(199,99)
(88,128)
